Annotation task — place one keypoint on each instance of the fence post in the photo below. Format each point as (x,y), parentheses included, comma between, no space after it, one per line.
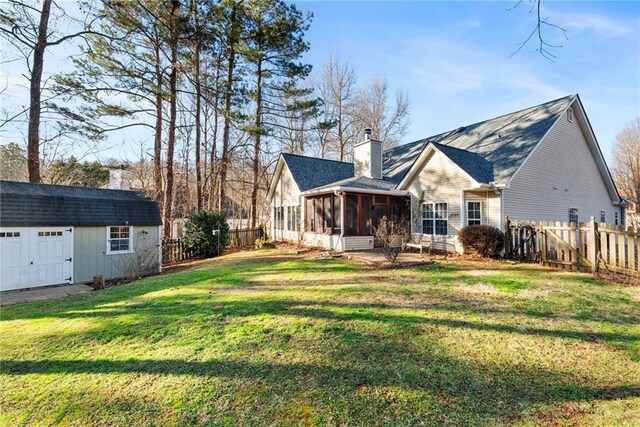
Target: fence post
(543,243)
(507,237)
(593,243)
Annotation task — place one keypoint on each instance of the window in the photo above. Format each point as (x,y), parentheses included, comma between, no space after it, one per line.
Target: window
(278,218)
(474,213)
(293,218)
(10,234)
(573,215)
(616,217)
(435,219)
(603,216)
(119,239)
(570,115)
(49,233)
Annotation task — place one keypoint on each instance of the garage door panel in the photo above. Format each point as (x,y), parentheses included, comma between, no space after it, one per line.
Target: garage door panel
(32,257)
(14,254)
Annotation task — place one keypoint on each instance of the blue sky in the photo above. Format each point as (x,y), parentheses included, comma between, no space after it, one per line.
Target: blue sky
(453,59)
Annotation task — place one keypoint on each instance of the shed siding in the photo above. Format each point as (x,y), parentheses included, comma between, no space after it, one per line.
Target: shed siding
(286,194)
(89,258)
(563,160)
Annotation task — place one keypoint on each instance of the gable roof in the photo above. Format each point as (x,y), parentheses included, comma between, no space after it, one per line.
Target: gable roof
(25,204)
(312,172)
(503,143)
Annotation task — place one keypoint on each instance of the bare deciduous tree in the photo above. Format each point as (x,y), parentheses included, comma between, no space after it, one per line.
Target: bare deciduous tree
(626,167)
(337,89)
(388,122)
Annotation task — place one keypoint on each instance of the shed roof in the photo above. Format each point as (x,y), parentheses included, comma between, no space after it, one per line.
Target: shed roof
(24,205)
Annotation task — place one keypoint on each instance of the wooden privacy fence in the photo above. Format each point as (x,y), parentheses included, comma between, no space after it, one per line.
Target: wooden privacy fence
(240,238)
(175,250)
(584,246)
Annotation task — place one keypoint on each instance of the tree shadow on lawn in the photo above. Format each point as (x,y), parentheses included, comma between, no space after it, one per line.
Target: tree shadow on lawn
(157,314)
(482,394)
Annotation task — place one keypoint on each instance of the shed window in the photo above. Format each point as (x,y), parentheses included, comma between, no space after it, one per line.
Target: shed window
(49,233)
(119,239)
(474,213)
(573,215)
(10,234)
(435,219)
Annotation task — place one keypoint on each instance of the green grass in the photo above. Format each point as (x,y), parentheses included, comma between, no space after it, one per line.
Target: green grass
(263,338)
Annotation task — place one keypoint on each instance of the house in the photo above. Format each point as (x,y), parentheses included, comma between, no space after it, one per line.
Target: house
(540,163)
(53,234)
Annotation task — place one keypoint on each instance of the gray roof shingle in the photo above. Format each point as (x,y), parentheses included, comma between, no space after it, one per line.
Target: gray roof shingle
(24,205)
(361,182)
(312,172)
(504,142)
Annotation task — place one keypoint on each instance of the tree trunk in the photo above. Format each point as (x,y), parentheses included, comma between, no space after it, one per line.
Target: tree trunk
(35,87)
(214,144)
(227,108)
(173,78)
(157,142)
(196,77)
(256,147)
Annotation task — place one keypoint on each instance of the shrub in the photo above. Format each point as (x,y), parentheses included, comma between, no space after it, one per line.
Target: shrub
(487,241)
(392,237)
(198,233)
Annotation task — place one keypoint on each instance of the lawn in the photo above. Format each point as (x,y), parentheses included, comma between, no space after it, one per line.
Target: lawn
(266,338)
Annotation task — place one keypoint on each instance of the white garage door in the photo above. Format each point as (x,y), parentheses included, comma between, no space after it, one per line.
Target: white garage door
(31,257)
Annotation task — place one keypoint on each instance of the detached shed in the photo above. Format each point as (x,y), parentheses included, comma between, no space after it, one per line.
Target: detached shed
(54,234)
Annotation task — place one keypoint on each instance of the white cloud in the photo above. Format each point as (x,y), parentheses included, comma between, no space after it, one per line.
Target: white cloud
(588,22)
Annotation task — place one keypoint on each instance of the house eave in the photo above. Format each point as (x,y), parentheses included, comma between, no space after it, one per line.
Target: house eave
(346,189)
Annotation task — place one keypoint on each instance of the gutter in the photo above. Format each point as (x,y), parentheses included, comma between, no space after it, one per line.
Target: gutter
(340,188)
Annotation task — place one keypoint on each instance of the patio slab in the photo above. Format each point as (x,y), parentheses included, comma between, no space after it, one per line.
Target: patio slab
(41,294)
(377,257)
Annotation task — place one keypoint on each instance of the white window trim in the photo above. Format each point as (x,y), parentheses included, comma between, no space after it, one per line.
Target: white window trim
(577,215)
(108,238)
(422,218)
(570,115)
(467,211)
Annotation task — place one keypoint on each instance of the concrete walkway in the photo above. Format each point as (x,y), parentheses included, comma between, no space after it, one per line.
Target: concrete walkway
(40,294)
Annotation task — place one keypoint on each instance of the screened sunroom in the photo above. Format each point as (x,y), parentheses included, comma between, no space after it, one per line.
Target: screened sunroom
(345,219)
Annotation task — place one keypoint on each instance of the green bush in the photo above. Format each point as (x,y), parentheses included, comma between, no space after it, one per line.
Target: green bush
(198,233)
(487,241)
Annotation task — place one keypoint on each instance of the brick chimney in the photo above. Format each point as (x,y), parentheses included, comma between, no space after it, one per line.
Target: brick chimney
(367,157)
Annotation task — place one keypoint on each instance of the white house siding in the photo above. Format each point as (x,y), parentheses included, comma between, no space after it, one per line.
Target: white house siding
(286,194)
(327,241)
(90,258)
(439,181)
(356,243)
(560,173)
(490,207)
